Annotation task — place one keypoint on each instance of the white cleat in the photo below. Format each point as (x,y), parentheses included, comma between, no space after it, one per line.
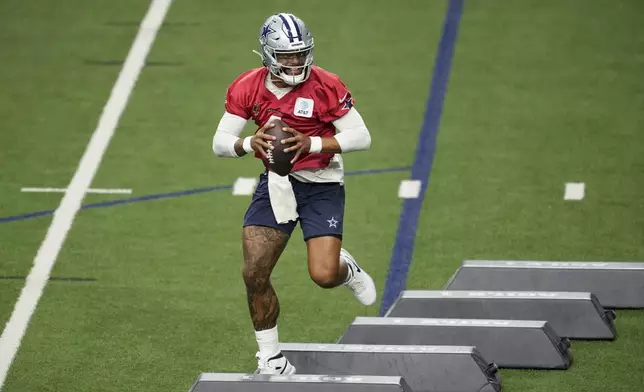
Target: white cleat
(360,283)
(277,364)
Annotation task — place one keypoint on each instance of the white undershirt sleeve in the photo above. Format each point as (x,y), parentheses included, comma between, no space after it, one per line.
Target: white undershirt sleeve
(352,133)
(228,131)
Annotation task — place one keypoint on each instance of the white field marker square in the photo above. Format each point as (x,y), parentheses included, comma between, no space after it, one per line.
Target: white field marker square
(575,191)
(244,186)
(409,189)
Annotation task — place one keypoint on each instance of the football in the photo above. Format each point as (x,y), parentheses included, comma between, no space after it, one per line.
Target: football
(278,160)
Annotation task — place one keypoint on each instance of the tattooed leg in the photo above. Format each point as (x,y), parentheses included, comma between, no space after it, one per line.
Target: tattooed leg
(262,248)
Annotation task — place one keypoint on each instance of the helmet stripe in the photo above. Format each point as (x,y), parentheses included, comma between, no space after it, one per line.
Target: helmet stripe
(288,27)
(297,28)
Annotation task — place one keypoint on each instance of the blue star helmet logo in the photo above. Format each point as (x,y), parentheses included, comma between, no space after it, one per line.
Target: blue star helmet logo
(266,31)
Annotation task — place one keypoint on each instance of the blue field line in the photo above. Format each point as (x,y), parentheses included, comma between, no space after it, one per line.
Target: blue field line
(168,195)
(26,216)
(404,246)
(157,196)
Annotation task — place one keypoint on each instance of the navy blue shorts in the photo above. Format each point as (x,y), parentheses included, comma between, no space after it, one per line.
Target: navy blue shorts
(320,207)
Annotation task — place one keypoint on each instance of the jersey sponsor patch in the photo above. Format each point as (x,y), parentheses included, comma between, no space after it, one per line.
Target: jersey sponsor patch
(303,107)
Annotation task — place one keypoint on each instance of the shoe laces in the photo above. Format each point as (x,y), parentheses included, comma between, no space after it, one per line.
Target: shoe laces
(357,285)
(262,363)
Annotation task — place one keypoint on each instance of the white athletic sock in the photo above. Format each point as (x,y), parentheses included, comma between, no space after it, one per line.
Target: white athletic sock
(349,272)
(268,342)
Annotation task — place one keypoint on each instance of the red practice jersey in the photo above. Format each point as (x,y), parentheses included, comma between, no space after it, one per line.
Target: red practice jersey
(309,107)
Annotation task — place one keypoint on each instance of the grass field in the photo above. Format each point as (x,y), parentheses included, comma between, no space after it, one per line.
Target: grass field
(540,93)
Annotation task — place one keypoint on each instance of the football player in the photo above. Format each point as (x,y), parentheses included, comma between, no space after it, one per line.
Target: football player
(320,113)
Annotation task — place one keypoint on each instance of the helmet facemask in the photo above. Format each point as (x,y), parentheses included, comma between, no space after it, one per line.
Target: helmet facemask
(291,66)
(286,47)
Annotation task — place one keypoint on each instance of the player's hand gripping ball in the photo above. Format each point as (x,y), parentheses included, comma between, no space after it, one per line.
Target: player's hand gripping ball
(268,141)
(299,143)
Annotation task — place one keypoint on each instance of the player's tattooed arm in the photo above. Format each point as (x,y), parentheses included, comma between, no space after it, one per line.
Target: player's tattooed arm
(239,148)
(262,248)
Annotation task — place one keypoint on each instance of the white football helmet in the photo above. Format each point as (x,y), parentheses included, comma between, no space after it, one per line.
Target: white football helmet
(286,48)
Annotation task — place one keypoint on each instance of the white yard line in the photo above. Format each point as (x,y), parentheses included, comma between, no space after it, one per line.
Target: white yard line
(64,215)
(90,190)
